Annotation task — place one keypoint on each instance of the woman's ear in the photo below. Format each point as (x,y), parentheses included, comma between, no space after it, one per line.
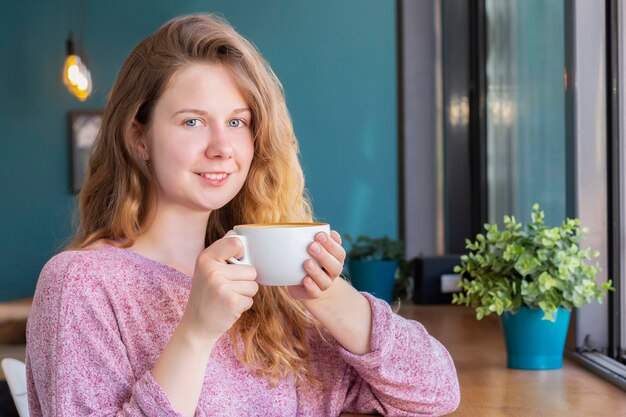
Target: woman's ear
(139,142)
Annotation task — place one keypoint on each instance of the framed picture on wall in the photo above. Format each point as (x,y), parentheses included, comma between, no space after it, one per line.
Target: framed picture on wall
(83,128)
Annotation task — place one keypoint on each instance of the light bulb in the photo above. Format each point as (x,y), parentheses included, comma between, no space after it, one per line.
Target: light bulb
(76,75)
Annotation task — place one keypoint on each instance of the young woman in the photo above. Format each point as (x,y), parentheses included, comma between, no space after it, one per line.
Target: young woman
(142,315)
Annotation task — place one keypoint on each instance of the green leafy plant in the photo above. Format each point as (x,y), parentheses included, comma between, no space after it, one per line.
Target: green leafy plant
(538,267)
(366,248)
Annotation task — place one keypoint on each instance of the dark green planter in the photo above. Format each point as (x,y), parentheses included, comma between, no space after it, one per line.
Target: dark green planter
(374,277)
(532,343)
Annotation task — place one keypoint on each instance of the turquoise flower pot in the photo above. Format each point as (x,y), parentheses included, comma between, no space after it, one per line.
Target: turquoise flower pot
(532,343)
(375,277)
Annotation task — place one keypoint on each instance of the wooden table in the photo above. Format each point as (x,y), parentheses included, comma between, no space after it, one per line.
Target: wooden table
(490,389)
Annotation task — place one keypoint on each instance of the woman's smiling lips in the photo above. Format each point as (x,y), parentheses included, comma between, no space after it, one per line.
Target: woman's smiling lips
(213,178)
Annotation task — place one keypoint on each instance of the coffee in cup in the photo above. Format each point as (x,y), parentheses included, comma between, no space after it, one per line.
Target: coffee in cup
(277,251)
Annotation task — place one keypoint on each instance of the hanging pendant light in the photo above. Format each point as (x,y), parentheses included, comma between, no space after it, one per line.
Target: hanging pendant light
(76,75)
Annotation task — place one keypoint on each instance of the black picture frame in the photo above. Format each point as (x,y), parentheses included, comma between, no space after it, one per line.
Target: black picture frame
(84,126)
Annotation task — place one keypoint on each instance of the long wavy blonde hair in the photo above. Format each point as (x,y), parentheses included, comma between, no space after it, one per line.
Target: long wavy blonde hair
(119,189)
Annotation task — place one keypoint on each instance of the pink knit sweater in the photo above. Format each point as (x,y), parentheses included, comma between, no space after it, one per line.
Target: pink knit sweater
(101,318)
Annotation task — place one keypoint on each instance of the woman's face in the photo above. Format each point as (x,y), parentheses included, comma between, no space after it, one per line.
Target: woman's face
(199,141)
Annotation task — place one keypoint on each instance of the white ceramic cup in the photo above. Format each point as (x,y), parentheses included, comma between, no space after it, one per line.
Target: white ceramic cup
(277,251)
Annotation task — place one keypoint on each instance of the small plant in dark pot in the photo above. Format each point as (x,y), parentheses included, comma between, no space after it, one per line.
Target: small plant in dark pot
(377,266)
(532,278)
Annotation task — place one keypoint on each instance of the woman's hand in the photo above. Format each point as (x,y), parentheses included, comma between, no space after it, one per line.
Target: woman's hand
(341,309)
(323,269)
(220,292)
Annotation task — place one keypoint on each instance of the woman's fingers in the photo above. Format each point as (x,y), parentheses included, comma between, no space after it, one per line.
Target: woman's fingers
(319,277)
(228,271)
(327,264)
(328,253)
(312,287)
(332,244)
(219,252)
(336,237)
(241,272)
(246,288)
(308,290)
(222,250)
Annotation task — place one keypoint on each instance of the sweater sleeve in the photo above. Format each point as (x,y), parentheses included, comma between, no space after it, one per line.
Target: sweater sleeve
(408,372)
(76,359)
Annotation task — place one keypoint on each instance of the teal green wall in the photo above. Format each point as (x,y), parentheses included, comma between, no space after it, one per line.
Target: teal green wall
(337,62)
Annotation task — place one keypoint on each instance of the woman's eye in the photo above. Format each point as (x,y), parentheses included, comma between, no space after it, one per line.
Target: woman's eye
(192,122)
(236,123)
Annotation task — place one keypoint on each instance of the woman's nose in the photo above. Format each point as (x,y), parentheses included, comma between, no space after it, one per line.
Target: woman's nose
(219,145)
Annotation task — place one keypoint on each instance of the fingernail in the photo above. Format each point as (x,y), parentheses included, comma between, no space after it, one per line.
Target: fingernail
(315,248)
(321,237)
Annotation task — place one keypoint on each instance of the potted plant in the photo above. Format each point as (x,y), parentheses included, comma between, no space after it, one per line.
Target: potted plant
(532,277)
(377,266)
